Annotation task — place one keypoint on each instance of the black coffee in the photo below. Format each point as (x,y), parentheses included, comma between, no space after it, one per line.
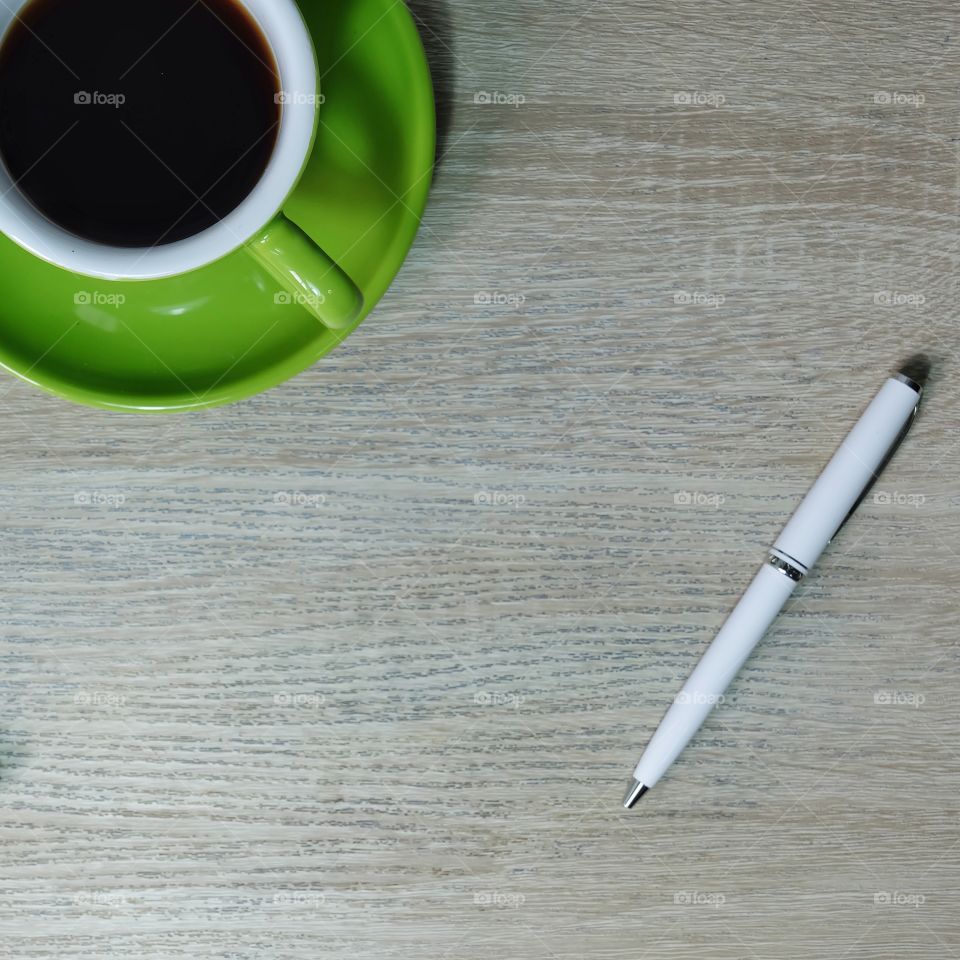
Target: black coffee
(136,122)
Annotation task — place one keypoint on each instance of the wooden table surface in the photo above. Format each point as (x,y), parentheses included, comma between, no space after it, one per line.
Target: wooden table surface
(359,668)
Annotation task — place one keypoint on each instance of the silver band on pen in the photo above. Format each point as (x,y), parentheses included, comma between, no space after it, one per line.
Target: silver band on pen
(786,568)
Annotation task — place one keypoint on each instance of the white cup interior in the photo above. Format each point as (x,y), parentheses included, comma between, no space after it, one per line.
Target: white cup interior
(282,25)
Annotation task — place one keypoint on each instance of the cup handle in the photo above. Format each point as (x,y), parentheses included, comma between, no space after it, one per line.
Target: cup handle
(305,271)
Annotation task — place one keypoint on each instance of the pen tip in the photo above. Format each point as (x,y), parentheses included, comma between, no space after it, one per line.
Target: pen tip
(917,369)
(634,792)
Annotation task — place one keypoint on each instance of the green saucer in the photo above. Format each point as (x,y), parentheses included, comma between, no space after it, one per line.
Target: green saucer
(228,331)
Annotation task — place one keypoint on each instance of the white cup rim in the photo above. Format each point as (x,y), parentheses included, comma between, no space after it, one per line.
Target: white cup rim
(289,38)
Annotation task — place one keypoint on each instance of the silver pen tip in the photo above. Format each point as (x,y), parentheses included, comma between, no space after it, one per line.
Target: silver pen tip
(634,792)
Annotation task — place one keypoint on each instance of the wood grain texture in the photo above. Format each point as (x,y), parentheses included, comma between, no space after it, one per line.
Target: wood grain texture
(359,668)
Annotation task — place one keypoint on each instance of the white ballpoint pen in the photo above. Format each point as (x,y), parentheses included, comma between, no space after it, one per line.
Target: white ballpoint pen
(832,499)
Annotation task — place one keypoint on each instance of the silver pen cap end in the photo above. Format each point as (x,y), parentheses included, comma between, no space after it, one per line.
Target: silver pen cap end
(915,371)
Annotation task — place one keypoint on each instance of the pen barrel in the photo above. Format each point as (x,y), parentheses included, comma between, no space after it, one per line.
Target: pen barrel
(846,477)
(706,686)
